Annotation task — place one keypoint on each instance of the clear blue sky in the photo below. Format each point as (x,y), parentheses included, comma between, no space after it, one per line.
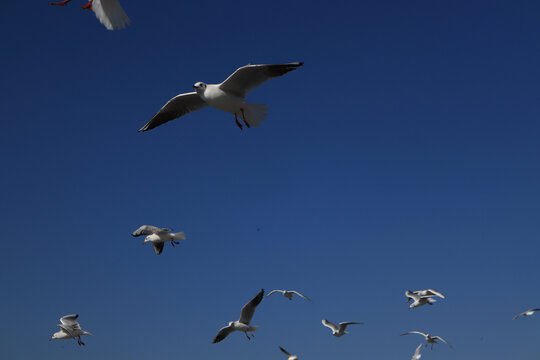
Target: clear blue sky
(404,154)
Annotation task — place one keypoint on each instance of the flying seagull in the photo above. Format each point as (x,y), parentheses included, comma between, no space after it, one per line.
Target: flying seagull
(291,357)
(70,329)
(338,331)
(288,294)
(428,293)
(242,324)
(108,12)
(417,354)
(158,237)
(418,300)
(227,96)
(429,339)
(526,313)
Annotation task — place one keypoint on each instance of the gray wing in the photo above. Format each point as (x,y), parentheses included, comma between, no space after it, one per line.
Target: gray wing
(329,324)
(146,230)
(284,351)
(414,332)
(431,292)
(158,247)
(249,309)
(67,330)
(302,296)
(417,354)
(222,334)
(248,77)
(343,325)
(174,108)
(70,321)
(444,341)
(275,291)
(518,315)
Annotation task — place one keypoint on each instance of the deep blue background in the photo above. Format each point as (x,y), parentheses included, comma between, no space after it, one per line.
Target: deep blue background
(403,154)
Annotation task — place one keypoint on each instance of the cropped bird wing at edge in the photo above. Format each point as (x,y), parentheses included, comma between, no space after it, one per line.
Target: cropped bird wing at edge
(249,309)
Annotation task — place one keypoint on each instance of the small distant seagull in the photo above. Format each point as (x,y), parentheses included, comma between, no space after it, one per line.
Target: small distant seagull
(108,12)
(418,300)
(70,329)
(429,339)
(227,96)
(158,237)
(428,293)
(288,294)
(526,313)
(242,324)
(338,331)
(417,354)
(291,357)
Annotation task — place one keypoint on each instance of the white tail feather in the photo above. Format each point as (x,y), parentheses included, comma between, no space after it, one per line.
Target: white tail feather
(254,113)
(179,236)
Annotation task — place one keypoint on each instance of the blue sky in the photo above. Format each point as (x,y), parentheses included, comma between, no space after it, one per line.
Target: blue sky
(402,155)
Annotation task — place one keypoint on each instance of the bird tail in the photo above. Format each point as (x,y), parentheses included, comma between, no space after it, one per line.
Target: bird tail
(254,114)
(253,328)
(179,236)
(110,14)
(87,333)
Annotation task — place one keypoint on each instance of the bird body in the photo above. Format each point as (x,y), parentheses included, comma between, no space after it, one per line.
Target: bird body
(418,300)
(288,294)
(70,329)
(227,96)
(243,323)
(526,313)
(338,331)
(158,236)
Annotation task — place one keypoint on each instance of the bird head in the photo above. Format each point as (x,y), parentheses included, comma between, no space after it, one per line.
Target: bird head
(199,87)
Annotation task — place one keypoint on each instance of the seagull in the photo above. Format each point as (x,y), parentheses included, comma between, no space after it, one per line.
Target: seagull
(526,313)
(418,300)
(108,12)
(70,329)
(242,324)
(158,237)
(227,96)
(417,354)
(430,339)
(291,357)
(338,331)
(428,293)
(288,294)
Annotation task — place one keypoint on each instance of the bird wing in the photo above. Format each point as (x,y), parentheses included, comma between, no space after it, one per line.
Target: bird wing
(343,325)
(275,291)
(330,325)
(297,293)
(284,351)
(223,333)
(518,315)
(444,341)
(110,14)
(249,309)
(158,247)
(411,295)
(417,354)
(174,108)
(431,292)
(248,77)
(414,332)
(67,330)
(146,230)
(70,321)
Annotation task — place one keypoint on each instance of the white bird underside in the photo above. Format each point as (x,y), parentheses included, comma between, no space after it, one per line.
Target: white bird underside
(288,294)
(227,96)
(158,236)
(526,313)
(111,14)
(339,330)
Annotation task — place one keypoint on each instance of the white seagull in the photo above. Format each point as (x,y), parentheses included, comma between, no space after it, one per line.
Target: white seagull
(70,329)
(526,313)
(227,96)
(288,294)
(291,357)
(418,300)
(242,324)
(108,12)
(417,354)
(338,331)
(158,237)
(429,339)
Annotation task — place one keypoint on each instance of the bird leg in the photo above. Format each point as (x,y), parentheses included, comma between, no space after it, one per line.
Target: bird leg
(61,3)
(79,341)
(174,242)
(244,118)
(88,5)
(247,336)
(237,122)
